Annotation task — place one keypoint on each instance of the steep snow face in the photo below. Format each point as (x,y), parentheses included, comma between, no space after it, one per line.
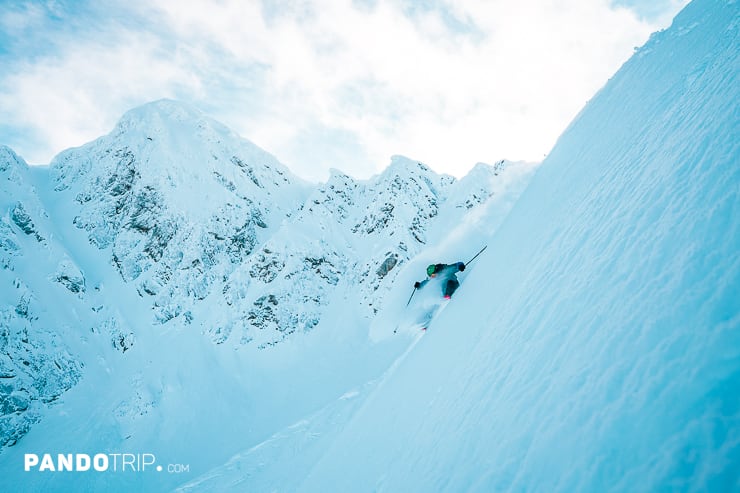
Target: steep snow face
(393,216)
(595,346)
(39,284)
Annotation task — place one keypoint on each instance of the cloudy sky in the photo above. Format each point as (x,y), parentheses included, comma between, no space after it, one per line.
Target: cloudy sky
(320,83)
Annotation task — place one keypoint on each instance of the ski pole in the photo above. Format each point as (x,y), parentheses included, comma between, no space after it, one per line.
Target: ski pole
(476,255)
(412,295)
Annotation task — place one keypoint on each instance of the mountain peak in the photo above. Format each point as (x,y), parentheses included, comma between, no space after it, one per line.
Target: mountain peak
(169,108)
(11,164)
(167,116)
(9,158)
(175,142)
(402,164)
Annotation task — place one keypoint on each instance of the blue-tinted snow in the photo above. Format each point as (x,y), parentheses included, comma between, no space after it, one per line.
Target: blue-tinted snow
(596,345)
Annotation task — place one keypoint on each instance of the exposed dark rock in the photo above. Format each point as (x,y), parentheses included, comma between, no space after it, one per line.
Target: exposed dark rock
(388,264)
(23,220)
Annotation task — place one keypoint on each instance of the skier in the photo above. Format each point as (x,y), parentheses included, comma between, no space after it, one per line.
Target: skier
(446,274)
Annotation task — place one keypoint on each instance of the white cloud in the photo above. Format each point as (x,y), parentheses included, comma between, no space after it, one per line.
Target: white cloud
(68,100)
(330,83)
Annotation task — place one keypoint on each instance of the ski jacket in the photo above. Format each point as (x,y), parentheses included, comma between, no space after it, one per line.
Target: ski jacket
(443,273)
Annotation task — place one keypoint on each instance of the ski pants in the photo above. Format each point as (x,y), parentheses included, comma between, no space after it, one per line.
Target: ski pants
(451,286)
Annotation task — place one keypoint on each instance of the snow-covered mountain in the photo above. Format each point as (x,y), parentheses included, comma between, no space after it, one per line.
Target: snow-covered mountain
(189,212)
(148,269)
(38,280)
(188,298)
(176,200)
(596,344)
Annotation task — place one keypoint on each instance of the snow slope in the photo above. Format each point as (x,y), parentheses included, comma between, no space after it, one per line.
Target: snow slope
(595,346)
(172,289)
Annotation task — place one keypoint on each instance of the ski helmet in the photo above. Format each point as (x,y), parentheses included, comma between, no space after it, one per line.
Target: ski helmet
(431,270)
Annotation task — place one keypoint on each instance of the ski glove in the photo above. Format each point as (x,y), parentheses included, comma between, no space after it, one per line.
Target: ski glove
(461,266)
(417,284)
